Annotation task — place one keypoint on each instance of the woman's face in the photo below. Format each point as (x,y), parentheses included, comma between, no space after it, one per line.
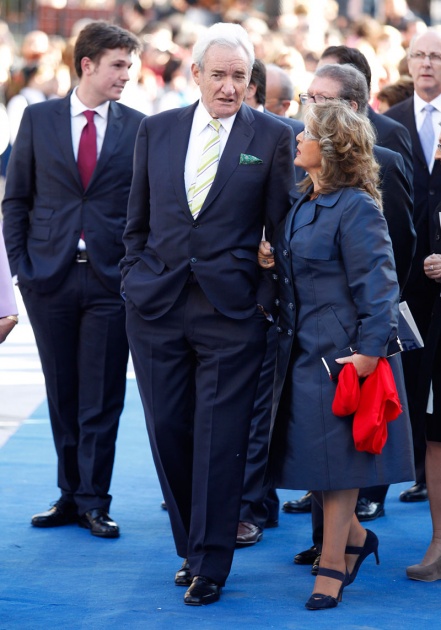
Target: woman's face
(308,154)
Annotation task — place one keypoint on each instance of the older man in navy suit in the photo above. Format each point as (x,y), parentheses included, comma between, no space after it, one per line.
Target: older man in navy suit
(64,209)
(207,180)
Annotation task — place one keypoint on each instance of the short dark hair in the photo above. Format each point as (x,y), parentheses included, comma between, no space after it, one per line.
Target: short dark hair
(97,37)
(258,78)
(345,54)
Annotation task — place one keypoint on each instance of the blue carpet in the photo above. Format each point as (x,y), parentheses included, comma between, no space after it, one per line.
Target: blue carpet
(66,578)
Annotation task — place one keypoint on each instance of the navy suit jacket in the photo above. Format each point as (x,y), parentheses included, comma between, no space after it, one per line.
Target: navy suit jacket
(420,292)
(45,206)
(163,241)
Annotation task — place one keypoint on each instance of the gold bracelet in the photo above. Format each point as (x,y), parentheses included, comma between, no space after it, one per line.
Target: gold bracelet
(13,317)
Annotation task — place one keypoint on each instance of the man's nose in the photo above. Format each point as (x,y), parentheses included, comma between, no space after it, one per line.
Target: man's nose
(228,86)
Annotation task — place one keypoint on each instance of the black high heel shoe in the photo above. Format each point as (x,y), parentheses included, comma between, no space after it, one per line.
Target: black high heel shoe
(318,601)
(370,546)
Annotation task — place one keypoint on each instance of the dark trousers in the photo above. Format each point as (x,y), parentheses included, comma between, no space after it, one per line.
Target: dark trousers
(260,503)
(81,340)
(197,373)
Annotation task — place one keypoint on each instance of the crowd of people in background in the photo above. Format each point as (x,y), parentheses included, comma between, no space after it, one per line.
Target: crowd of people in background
(300,58)
(38,66)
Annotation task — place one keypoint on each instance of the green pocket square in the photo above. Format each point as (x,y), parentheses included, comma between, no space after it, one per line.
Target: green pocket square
(249,159)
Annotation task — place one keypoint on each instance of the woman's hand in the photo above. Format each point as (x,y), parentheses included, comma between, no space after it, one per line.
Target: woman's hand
(6,325)
(265,255)
(363,364)
(432,267)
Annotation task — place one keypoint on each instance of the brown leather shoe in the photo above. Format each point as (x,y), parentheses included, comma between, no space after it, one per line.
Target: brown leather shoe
(61,513)
(248,534)
(99,523)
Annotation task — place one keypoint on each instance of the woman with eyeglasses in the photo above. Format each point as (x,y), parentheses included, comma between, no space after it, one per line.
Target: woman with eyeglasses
(338,297)
(429,569)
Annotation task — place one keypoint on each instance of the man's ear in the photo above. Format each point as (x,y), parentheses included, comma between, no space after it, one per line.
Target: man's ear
(87,65)
(354,105)
(195,71)
(251,90)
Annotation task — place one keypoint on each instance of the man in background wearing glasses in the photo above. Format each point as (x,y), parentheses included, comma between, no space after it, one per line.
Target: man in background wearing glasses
(421,114)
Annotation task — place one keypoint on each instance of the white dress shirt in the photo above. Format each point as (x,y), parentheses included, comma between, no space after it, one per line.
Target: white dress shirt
(420,115)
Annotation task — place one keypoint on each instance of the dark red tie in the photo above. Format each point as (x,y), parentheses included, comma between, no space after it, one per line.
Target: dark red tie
(87,149)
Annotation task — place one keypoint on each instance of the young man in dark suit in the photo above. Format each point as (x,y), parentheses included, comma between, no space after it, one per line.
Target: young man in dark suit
(196,300)
(64,212)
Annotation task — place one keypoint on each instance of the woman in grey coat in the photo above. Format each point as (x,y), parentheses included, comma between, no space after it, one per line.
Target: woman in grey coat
(337,290)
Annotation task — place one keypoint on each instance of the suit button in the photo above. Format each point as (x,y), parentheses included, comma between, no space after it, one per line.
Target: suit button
(289,332)
(279,330)
(277,302)
(196,225)
(275,276)
(285,253)
(286,280)
(437,237)
(291,306)
(193,260)
(431,192)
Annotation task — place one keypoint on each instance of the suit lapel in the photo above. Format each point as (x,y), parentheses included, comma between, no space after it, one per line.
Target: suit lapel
(111,139)
(178,146)
(63,128)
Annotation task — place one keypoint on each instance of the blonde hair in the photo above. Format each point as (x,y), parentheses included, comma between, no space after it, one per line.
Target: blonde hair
(346,141)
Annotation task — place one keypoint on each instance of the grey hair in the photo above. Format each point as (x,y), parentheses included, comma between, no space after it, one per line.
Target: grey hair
(352,81)
(221,34)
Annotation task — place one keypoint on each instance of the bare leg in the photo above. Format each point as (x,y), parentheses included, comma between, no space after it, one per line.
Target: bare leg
(338,513)
(433,479)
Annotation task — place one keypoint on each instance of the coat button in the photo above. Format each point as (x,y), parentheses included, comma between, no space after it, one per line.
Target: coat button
(437,237)
(285,253)
(291,306)
(196,225)
(277,302)
(275,276)
(279,330)
(193,260)
(289,331)
(286,280)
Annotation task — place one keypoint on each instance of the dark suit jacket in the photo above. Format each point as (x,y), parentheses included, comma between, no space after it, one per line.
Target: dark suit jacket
(393,135)
(297,126)
(163,241)
(397,209)
(45,206)
(420,292)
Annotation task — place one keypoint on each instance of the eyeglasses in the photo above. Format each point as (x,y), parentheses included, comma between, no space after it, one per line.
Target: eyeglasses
(307,135)
(314,98)
(420,56)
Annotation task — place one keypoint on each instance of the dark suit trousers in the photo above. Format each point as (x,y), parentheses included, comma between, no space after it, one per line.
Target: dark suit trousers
(197,373)
(260,502)
(80,335)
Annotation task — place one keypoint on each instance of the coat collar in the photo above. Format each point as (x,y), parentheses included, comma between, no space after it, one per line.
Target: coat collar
(327,201)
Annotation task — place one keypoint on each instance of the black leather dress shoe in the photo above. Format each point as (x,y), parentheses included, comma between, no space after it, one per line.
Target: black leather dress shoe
(62,513)
(202,592)
(307,557)
(368,510)
(417,492)
(183,577)
(302,506)
(248,534)
(99,523)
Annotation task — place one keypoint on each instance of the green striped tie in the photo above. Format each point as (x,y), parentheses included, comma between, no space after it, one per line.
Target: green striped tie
(206,170)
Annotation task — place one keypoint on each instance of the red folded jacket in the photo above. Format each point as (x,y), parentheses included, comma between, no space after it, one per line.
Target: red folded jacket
(374,404)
